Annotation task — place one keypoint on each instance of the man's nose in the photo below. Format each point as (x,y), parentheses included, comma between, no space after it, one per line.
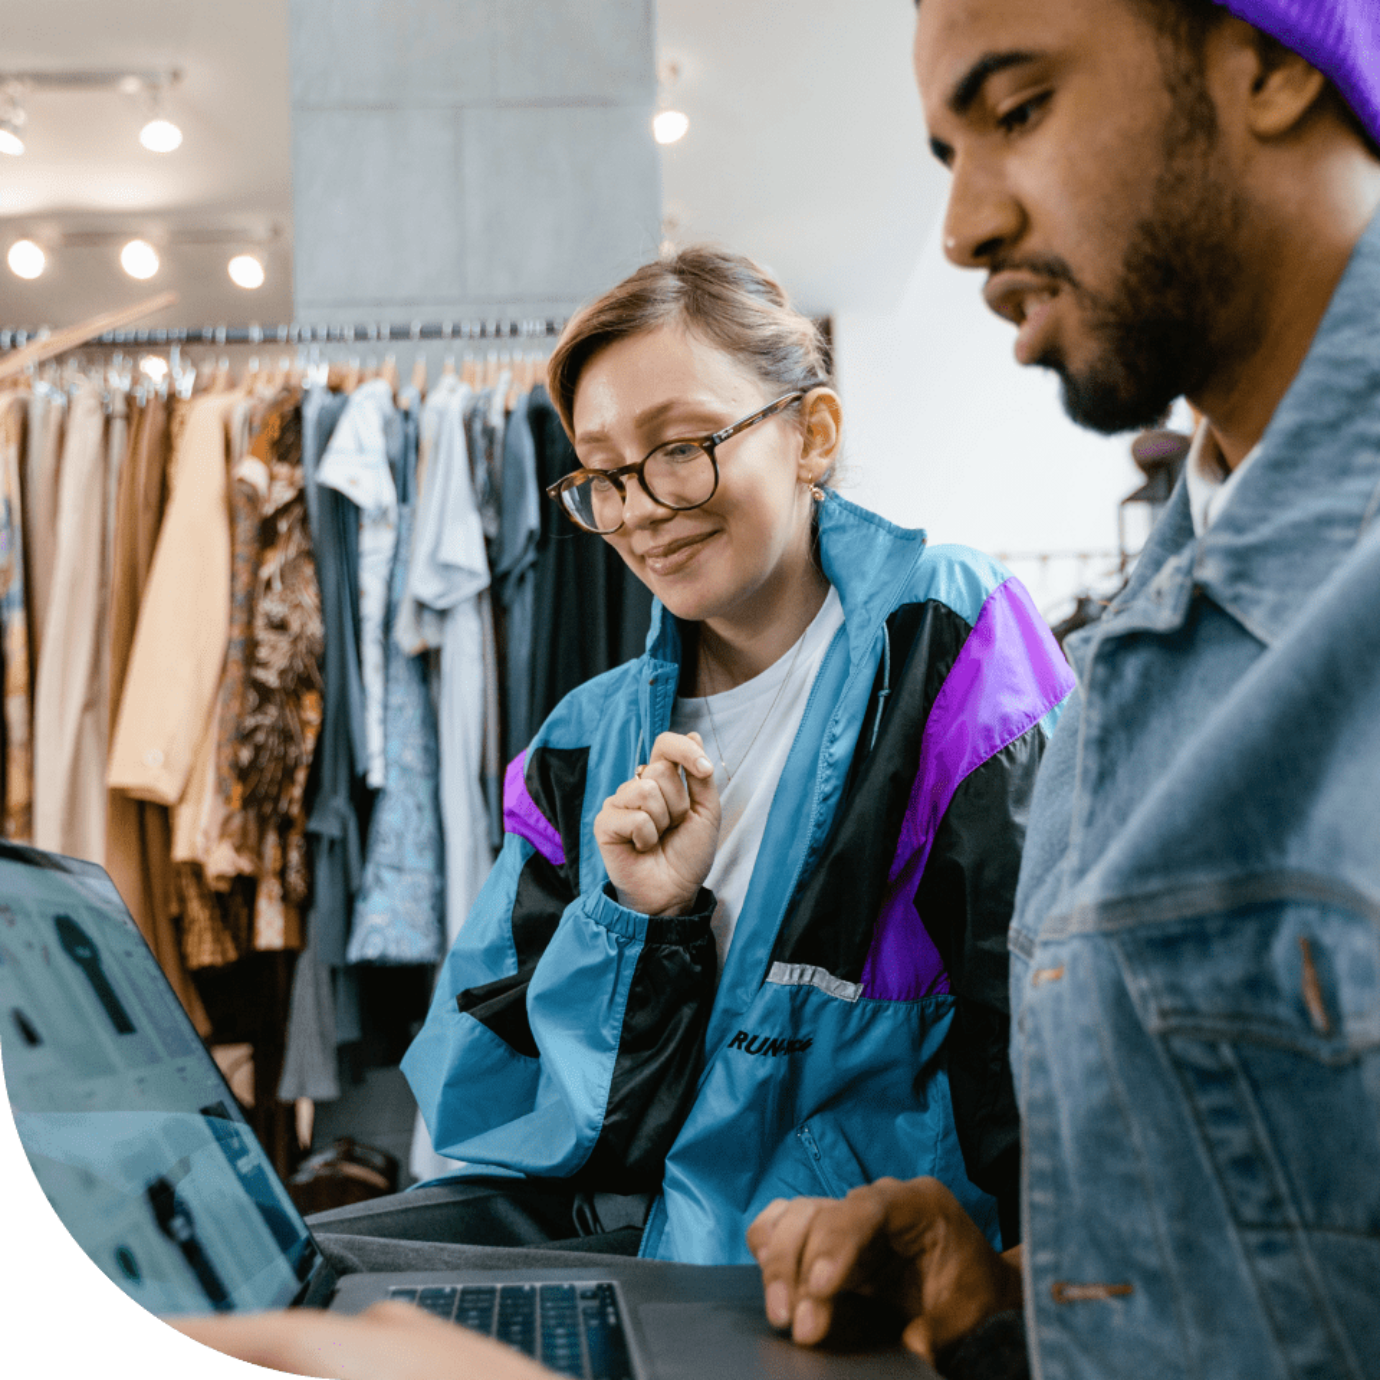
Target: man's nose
(981,218)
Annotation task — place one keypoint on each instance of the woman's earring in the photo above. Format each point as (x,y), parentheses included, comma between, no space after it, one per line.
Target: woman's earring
(816,493)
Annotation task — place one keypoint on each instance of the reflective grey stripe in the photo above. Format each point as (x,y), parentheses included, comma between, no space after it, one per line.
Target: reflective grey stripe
(803,975)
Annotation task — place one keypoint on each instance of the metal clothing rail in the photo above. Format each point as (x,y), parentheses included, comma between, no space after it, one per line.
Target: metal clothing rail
(534,328)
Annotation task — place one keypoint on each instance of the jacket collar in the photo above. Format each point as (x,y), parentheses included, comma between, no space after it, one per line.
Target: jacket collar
(1311,490)
(865,557)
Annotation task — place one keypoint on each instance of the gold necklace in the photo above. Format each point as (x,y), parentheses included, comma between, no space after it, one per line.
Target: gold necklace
(790,671)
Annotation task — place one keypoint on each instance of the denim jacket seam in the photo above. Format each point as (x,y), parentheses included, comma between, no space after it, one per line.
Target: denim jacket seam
(1202,897)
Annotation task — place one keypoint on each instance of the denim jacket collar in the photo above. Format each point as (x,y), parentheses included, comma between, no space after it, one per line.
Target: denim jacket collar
(1308,496)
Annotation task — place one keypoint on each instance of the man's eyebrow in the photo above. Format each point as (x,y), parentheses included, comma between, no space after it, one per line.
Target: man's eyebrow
(966,92)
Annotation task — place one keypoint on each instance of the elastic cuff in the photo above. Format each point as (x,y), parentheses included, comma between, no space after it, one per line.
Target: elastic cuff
(607,910)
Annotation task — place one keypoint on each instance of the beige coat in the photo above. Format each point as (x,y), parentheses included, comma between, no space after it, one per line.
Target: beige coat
(180,639)
(69,716)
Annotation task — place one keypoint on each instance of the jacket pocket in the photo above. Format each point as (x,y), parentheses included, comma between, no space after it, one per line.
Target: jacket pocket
(832,1160)
(1268,1017)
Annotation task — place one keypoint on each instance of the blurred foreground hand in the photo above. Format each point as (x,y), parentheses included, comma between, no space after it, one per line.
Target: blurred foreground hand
(390,1341)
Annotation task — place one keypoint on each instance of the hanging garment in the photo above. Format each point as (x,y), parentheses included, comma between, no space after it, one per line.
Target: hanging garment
(117,436)
(138,841)
(592,614)
(166,706)
(309,1061)
(399,916)
(356,465)
(14,625)
(47,423)
(269,713)
(514,572)
(450,572)
(70,721)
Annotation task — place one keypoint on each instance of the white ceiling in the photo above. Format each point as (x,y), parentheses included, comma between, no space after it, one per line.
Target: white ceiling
(806,147)
(805,150)
(85,169)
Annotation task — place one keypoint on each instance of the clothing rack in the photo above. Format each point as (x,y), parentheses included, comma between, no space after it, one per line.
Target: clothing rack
(296,333)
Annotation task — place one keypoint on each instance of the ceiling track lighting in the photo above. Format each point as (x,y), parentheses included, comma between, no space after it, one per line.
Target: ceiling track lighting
(159,134)
(12,120)
(669,125)
(141,257)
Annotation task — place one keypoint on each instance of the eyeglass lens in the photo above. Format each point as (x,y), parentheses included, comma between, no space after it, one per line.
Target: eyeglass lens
(678,475)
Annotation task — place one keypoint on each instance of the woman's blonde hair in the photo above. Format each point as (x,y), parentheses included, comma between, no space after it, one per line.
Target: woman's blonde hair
(724,297)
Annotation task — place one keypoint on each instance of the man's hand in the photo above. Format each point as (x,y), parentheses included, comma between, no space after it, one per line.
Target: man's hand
(909,1244)
(659,831)
(390,1341)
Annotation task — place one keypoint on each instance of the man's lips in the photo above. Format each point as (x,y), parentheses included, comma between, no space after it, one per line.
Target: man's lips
(1025,300)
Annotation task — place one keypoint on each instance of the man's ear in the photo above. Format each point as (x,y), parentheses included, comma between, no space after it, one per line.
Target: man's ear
(822,425)
(1284,88)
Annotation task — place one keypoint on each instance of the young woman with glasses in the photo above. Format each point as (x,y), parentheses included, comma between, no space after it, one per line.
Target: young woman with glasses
(747,935)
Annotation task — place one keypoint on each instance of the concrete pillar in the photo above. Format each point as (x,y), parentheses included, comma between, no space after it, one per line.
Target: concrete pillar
(469,158)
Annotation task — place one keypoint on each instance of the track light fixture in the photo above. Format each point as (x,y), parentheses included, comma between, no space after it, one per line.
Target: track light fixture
(159,133)
(12,121)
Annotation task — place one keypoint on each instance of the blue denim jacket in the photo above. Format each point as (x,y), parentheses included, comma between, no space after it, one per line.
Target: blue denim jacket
(1196,946)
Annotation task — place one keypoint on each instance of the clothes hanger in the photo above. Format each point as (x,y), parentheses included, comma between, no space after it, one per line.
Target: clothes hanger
(388,372)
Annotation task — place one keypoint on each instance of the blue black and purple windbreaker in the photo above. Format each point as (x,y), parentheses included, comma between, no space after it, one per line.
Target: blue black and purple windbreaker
(860,1025)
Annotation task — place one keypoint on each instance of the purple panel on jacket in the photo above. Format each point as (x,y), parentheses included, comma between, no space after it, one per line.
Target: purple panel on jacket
(1008,676)
(521,816)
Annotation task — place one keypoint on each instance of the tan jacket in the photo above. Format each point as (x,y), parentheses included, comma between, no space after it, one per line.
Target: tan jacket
(69,716)
(180,639)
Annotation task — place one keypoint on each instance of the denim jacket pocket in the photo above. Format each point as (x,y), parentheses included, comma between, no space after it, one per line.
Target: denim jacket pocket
(1268,1016)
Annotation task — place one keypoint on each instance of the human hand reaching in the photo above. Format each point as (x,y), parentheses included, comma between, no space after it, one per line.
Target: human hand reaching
(910,1245)
(658,832)
(389,1341)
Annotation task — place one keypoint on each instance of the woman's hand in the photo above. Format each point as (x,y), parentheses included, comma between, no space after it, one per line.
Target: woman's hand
(389,1341)
(910,1245)
(659,831)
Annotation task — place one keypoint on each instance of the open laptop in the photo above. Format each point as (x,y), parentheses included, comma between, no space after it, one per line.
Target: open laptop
(145,1156)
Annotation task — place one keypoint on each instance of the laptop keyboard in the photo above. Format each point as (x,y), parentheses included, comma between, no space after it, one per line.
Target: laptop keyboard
(575,1329)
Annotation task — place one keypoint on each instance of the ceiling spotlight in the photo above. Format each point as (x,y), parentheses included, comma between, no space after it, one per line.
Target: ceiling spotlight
(26,259)
(160,135)
(11,141)
(246,271)
(155,368)
(139,259)
(670,125)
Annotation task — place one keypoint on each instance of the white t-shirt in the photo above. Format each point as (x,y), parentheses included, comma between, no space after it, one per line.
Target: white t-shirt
(1210,483)
(755,723)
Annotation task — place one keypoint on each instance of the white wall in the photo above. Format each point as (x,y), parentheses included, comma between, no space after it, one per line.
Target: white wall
(944,430)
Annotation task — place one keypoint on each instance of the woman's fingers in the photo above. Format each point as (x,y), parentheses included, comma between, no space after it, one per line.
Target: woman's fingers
(685,750)
(619,824)
(653,797)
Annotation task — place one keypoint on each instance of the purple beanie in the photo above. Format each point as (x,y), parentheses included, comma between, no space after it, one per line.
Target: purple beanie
(1341,38)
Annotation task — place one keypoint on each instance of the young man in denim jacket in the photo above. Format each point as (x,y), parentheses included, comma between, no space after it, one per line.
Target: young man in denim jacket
(1172,197)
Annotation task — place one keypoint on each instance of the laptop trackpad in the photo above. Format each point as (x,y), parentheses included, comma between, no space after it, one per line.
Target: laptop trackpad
(689,1341)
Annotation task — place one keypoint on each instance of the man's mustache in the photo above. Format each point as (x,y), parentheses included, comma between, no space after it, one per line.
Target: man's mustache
(1051,267)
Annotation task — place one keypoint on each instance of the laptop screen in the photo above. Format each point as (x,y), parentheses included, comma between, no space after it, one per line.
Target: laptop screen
(131,1131)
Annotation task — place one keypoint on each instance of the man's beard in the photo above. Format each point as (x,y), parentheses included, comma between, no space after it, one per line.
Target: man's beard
(1162,332)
